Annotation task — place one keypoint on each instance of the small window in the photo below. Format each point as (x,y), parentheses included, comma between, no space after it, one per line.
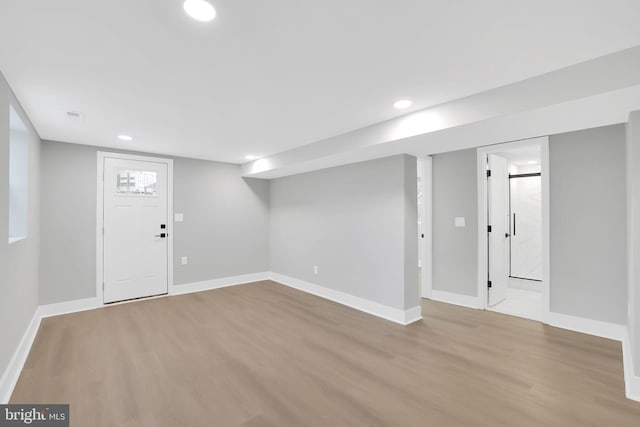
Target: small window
(140,183)
(18,176)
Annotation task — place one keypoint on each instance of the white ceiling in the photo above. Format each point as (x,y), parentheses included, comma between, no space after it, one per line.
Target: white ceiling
(268,76)
(523,156)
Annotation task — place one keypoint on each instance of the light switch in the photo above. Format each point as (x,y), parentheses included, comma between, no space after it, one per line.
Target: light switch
(179,218)
(184,260)
(460,221)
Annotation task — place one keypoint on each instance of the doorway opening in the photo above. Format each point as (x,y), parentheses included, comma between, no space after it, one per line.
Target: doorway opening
(513,228)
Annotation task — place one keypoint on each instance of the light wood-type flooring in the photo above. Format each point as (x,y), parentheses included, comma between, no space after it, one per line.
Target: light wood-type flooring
(263,354)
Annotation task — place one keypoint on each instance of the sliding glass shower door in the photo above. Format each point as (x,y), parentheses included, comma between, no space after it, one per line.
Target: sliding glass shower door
(526,226)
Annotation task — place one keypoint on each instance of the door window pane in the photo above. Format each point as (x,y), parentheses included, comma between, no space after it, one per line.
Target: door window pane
(141,183)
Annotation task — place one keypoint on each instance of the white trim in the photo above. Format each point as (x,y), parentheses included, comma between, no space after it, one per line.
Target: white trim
(67,307)
(218,283)
(482,153)
(583,325)
(170,225)
(14,368)
(101,155)
(545,179)
(631,381)
(412,315)
(396,315)
(456,299)
(611,331)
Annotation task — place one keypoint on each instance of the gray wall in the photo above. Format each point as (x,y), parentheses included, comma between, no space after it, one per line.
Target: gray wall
(588,224)
(18,261)
(455,249)
(633,240)
(351,221)
(226,221)
(225,231)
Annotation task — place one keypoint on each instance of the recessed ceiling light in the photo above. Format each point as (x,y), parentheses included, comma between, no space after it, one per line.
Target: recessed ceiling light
(402,104)
(75,115)
(125,137)
(200,10)
(251,157)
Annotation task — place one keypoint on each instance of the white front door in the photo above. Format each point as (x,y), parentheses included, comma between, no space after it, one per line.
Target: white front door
(135,229)
(498,236)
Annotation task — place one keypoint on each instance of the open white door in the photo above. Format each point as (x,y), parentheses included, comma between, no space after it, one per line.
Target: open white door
(498,181)
(135,229)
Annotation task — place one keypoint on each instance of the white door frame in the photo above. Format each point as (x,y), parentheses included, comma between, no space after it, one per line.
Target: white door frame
(100,217)
(483,255)
(426,244)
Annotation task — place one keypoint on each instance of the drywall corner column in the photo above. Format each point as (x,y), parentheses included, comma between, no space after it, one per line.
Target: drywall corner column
(411,282)
(633,233)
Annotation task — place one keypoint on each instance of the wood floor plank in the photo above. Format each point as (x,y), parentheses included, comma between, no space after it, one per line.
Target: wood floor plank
(263,354)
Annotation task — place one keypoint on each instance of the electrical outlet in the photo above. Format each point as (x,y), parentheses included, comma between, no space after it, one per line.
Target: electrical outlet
(315,270)
(184,260)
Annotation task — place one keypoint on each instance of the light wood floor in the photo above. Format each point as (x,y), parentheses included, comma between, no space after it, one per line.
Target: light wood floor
(266,355)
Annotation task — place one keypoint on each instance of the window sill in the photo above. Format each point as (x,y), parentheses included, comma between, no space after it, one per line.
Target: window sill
(16,239)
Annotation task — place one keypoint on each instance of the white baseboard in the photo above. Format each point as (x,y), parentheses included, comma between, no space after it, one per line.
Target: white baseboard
(207,285)
(605,330)
(67,307)
(12,373)
(457,299)
(412,315)
(380,310)
(587,326)
(631,380)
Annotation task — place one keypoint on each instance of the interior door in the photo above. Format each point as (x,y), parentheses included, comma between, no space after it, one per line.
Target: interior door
(135,229)
(498,192)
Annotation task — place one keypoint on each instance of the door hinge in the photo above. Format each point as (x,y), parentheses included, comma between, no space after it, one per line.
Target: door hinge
(489,229)
(102,286)
(103,231)
(488,173)
(489,284)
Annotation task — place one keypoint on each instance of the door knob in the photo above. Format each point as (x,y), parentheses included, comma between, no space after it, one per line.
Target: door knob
(161,235)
